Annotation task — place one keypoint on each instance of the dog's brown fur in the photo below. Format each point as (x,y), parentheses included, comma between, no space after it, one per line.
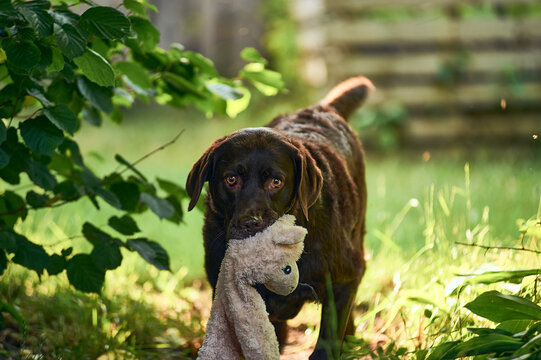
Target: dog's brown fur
(320,162)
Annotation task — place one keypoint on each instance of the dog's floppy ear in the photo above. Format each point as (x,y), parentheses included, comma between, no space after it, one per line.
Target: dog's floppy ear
(201,172)
(308,178)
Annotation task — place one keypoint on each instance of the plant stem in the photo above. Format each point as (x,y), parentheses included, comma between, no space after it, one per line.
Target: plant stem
(155,151)
(499,247)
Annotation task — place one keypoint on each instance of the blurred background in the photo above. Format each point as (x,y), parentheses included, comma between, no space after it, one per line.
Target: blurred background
(447,72)
(451,137)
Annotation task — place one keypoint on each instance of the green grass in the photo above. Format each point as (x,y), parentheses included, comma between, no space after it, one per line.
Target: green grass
(417,210)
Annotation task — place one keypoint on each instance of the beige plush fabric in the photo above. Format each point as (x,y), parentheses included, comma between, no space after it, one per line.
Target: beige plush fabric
(239,326)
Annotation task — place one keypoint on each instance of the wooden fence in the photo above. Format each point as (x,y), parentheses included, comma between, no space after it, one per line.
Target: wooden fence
(219,29)
(464,71)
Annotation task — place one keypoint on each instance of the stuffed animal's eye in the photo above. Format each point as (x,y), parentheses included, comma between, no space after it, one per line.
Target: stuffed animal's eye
(287,270)
(231,180)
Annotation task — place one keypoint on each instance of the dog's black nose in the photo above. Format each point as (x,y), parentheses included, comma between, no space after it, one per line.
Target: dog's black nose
(253,224)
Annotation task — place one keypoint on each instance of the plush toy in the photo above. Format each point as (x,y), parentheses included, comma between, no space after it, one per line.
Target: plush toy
(239,326)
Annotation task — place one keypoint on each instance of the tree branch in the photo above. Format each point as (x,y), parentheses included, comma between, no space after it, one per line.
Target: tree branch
(162,147)
(486,247)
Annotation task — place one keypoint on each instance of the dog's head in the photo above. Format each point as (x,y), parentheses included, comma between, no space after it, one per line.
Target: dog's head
(255,176)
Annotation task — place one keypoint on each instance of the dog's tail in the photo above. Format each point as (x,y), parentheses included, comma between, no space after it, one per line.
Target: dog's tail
(347,96)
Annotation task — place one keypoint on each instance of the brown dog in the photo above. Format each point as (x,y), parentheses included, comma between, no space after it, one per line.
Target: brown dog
(309,164)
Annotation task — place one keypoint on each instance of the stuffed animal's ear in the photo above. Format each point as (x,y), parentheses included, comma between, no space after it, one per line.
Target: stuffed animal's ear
(289,235)
(308,178)
(201,172)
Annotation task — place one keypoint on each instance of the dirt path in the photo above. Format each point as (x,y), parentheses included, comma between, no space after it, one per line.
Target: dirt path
(300,344)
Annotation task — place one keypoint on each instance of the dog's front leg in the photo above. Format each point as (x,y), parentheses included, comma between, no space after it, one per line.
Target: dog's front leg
(335,320)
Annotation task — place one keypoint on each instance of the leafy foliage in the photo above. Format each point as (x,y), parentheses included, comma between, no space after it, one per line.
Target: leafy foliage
(59,68)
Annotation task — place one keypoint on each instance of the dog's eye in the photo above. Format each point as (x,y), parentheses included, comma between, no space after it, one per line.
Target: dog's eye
(276,183)
(231,180)
(287,270)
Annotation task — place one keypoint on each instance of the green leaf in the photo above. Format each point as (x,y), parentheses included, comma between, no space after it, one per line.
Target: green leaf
(90,181)
(182,85)
(7,13)
(498,307)
(137,74)
(60,91)
(3,262)
(56,265)
(41,176)
(124,225)
(22,57)
(109,197)
(487,344)
(98,96)
(514,326)
(84,275)
(266,81)
(30,255)
(123,98)
(57,60)
(148,37)
(116,116)
(62,17)
(96,68)
(35,5)
(492,277)
(127,193)
(13,207)
(172,189)
(3,132)
(67,251)
(488,331)
(126,163)
(250,54)
(36,200)
(135,7)
(174,201)
(160,207)
(225,91)
(19,158)
(106,254)
(95,235)
(149,5)
(530,348)
(37,93)
(235,107)
(71,150)
(92,115)
(41,135)
(62,117)
(70,41)
(9,99)
(8,240)
(68,190)
(205,65)
(151,251)
(105,22)
(4,159)
(40,20)
(441,351)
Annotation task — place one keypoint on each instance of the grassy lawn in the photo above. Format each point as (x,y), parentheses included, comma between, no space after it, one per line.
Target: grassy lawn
(418,209)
